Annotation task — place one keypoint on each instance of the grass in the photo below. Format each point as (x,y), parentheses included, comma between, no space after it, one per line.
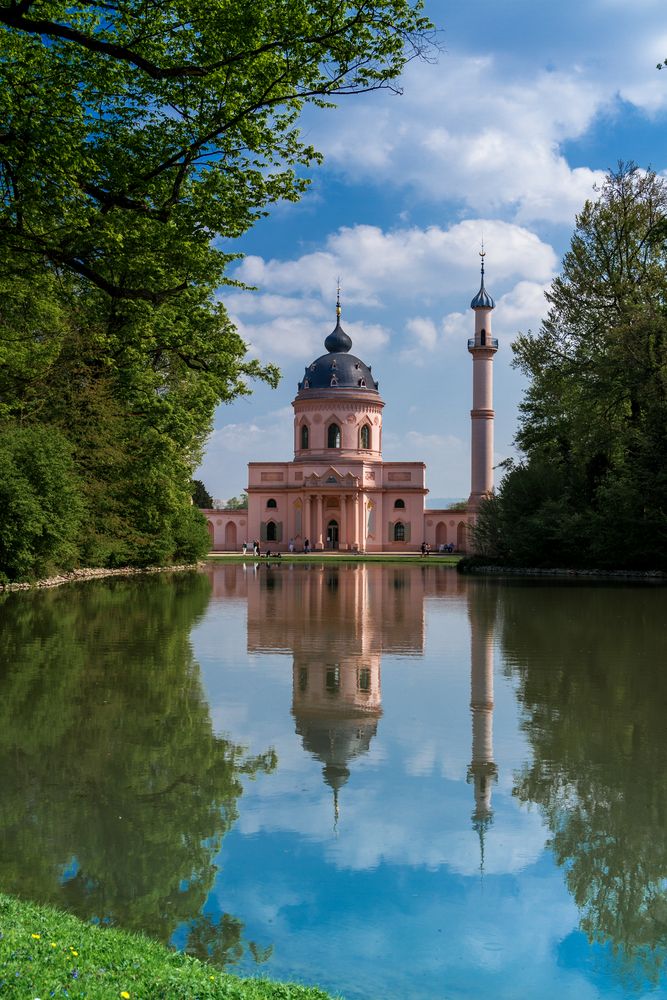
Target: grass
(342,557)
(45,953)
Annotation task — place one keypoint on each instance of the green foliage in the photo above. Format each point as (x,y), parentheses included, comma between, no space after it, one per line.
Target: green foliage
(592,699)
(117,791)
(133,132)
(48,953)
(137,141)
(593,489)
(237,503)
(40,502)
(200,495)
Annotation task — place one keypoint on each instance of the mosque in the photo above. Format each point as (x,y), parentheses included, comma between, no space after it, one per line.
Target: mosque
(338,492)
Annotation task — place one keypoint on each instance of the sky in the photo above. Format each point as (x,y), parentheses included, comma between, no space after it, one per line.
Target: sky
(502,139)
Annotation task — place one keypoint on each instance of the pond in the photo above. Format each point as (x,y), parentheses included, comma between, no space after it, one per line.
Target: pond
(388,780)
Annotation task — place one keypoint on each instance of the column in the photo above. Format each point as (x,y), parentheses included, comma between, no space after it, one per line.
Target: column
(307,520)
(361,522)
(342,528)
(354,520)
(319,518)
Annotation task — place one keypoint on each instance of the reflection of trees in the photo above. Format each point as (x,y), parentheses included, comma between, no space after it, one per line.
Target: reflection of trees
(593,685)
(116,793)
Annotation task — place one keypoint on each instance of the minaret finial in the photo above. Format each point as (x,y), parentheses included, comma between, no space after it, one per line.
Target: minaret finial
(338,299)
(482,254)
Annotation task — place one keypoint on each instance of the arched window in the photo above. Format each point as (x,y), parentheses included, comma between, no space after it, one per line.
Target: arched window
(271,531)
(271,503)
(482,338)
(399,532)
(333,436)
(304,435)
(399,504)
(365,436)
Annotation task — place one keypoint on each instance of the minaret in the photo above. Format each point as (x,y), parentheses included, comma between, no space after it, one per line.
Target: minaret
(482,347)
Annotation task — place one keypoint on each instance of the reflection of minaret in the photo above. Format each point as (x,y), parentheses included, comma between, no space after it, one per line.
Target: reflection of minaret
(337,707)
(482,771)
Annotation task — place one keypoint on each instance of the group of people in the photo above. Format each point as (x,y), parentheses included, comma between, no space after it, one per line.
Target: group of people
(256,551)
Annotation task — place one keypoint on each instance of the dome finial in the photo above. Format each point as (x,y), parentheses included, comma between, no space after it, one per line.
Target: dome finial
(338,341)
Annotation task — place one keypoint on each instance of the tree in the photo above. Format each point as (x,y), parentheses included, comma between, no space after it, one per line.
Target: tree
(200,495)
(135,132)
(40,503)
(595,411)
(237,503)
(137,140)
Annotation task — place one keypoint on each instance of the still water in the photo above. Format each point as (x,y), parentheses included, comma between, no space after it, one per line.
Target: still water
(391,781)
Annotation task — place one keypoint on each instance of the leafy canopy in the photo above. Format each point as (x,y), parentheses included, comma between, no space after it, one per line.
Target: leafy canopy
(134,132)
(593,487)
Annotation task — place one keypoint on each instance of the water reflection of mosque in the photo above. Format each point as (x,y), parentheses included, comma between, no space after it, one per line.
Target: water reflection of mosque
(358,613)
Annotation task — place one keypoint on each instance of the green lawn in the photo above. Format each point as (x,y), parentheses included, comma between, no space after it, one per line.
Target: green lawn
(45,953)
(340,557)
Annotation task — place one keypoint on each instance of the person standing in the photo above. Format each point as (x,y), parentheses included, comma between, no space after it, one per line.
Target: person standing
(244,548)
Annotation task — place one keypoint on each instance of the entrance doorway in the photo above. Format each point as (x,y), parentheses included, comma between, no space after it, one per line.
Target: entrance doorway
(332,535)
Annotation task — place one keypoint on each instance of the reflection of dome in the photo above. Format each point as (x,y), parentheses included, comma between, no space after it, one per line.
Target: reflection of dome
(335,740)
(338,369)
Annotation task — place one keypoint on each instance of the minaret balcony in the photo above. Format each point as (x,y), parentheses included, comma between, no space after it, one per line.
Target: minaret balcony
(491,342)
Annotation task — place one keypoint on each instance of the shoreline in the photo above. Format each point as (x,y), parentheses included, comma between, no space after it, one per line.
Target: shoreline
(93,573)
(649,575)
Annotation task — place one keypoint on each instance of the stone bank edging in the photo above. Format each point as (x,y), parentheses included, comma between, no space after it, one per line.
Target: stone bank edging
(602,574)
(74,575)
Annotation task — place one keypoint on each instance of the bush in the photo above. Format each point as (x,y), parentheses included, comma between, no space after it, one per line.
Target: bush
(40,502)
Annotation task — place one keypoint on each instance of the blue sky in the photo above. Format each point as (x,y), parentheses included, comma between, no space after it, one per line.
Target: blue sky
(502,139)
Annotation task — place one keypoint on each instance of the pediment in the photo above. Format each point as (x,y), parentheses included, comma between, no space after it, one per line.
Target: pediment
(332,478)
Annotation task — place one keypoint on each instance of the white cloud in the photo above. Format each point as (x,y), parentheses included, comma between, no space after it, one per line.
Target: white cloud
(465,130)
(231,446)
(406,263)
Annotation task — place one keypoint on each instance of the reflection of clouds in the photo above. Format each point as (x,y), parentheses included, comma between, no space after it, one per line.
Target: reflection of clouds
(434,938)
(418,824)
(411,782)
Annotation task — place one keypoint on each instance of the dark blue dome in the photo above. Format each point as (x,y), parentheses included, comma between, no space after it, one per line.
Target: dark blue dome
(338,369)
(338,340)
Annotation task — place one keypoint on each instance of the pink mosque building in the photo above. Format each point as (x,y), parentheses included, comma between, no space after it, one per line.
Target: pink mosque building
(338,492)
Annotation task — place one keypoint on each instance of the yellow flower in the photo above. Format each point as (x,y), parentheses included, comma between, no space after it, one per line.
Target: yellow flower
(38,936)
(125,995)
(53,944)
(75,953)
